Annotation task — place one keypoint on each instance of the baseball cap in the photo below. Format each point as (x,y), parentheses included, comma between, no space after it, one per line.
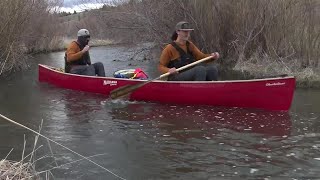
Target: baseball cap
(184,26)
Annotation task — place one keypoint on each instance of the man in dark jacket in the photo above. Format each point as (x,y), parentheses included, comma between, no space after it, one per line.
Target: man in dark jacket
(77,58)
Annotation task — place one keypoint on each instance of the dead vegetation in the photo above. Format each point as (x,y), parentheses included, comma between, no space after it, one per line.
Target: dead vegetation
(264,37)
(16,170)
(25,26)
(247,33)
(25,168)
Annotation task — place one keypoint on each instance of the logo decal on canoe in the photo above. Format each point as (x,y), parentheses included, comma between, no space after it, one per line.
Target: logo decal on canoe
(276,84)
(110,83)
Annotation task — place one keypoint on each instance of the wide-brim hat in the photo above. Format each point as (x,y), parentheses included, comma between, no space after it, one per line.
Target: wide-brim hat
(183,26)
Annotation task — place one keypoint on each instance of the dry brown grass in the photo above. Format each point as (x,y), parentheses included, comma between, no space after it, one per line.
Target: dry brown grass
(25,25)
(263,38)
(23,169)
(32,159)
(16,170)
(261,33)
(258,66)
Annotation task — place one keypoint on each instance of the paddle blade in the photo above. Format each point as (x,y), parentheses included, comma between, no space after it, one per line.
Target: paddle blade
(125,90)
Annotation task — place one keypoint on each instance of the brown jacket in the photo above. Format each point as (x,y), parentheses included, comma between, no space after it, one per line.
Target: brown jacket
(170,53)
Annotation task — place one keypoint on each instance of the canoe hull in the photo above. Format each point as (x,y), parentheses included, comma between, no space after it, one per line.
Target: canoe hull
(270,94)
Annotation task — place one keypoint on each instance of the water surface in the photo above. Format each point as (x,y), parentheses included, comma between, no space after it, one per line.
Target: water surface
(139,140)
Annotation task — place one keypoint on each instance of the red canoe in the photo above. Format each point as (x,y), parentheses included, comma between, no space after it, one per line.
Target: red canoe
(270,94)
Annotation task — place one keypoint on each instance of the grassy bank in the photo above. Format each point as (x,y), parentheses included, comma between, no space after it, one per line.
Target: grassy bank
(307,77)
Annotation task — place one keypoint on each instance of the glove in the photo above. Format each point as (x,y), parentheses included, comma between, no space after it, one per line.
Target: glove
(85,49)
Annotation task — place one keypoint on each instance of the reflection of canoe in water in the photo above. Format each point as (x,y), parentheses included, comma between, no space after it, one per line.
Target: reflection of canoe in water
(205,121)
(271,94)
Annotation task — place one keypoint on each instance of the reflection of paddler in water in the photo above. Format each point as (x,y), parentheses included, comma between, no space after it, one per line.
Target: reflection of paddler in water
(80,109)
(206,122)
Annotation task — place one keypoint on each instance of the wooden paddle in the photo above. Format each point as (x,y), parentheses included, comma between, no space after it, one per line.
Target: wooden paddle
(123,91)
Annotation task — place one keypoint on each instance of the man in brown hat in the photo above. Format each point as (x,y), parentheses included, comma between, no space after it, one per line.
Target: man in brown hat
(182,52)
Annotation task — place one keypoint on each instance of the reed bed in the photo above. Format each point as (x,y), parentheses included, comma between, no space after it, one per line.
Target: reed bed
(264,37)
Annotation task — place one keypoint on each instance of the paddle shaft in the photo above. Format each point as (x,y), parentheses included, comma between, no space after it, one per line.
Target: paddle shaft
(185,67)
(123,91)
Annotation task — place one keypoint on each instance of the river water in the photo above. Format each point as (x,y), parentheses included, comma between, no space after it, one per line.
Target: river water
(138,140)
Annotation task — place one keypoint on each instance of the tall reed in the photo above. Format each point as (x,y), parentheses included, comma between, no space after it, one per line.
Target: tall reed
(241,30)
(283,29)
